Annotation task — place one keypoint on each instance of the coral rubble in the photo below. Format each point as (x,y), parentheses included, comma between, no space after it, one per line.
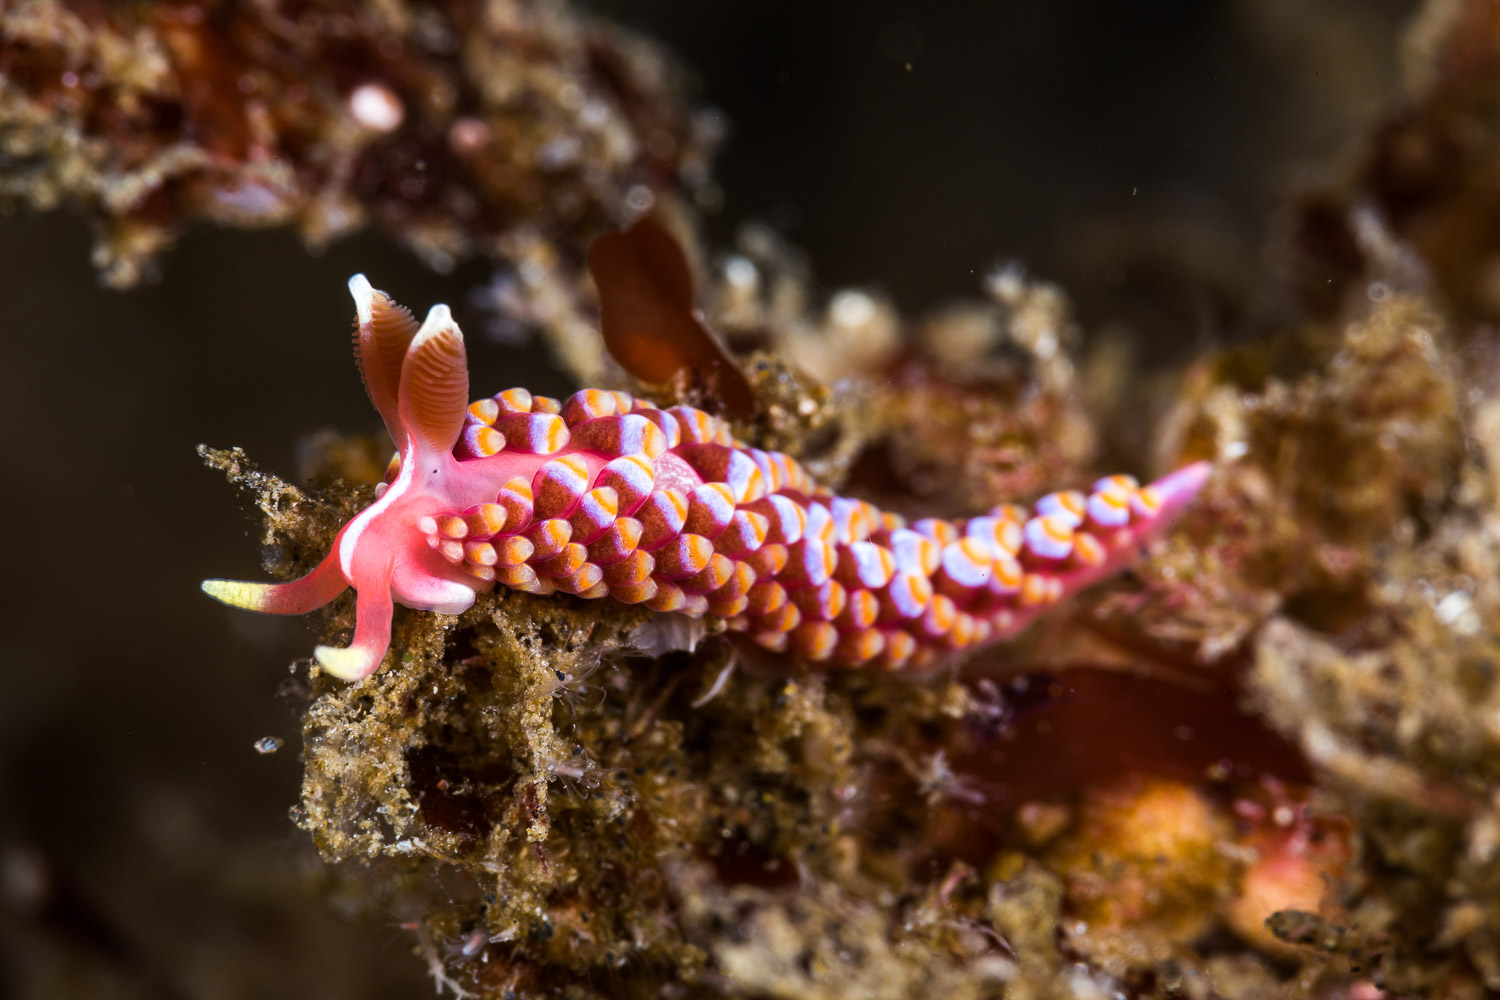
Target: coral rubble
(487,128)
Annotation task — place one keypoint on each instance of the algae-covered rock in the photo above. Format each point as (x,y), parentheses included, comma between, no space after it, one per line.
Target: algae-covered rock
(1262,763)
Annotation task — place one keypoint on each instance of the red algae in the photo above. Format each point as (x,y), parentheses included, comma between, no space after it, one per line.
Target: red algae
(1083,726)
(648,315)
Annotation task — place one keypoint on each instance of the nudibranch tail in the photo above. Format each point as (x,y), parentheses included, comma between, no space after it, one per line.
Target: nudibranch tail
(1176,490)
(605,495)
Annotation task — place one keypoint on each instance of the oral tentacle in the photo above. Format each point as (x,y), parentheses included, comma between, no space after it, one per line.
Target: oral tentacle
(373,608)
(294,597)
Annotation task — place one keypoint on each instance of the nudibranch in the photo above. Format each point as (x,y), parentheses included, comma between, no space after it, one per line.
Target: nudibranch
(608,496)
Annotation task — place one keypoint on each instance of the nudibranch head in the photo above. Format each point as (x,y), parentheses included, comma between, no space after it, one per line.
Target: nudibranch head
(605,495)
(418,379)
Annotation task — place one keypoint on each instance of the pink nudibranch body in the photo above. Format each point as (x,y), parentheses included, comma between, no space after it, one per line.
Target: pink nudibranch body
(604,495)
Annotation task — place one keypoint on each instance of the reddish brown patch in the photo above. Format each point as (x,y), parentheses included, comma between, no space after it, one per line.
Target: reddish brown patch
(1088,727)
(450,800)
(1095,725)
(740,862)
(647,315)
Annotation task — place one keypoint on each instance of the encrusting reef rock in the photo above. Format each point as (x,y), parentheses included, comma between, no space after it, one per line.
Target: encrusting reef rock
(579,796)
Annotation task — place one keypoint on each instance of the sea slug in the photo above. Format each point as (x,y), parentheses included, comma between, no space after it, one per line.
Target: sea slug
(608,496)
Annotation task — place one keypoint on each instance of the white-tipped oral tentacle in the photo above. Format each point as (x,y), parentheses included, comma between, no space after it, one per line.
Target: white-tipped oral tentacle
(293,597)
(373,607)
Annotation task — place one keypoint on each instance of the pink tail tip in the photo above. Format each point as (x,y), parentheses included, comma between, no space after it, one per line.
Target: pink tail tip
(1178,489)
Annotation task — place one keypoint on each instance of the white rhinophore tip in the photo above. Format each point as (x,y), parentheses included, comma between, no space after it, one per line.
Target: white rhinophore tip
(364,298)
(439,320)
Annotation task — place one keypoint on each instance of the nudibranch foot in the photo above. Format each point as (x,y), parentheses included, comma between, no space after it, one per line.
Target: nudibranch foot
(605,495)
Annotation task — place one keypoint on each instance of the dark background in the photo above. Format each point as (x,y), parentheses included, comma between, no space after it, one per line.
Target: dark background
(902,147)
